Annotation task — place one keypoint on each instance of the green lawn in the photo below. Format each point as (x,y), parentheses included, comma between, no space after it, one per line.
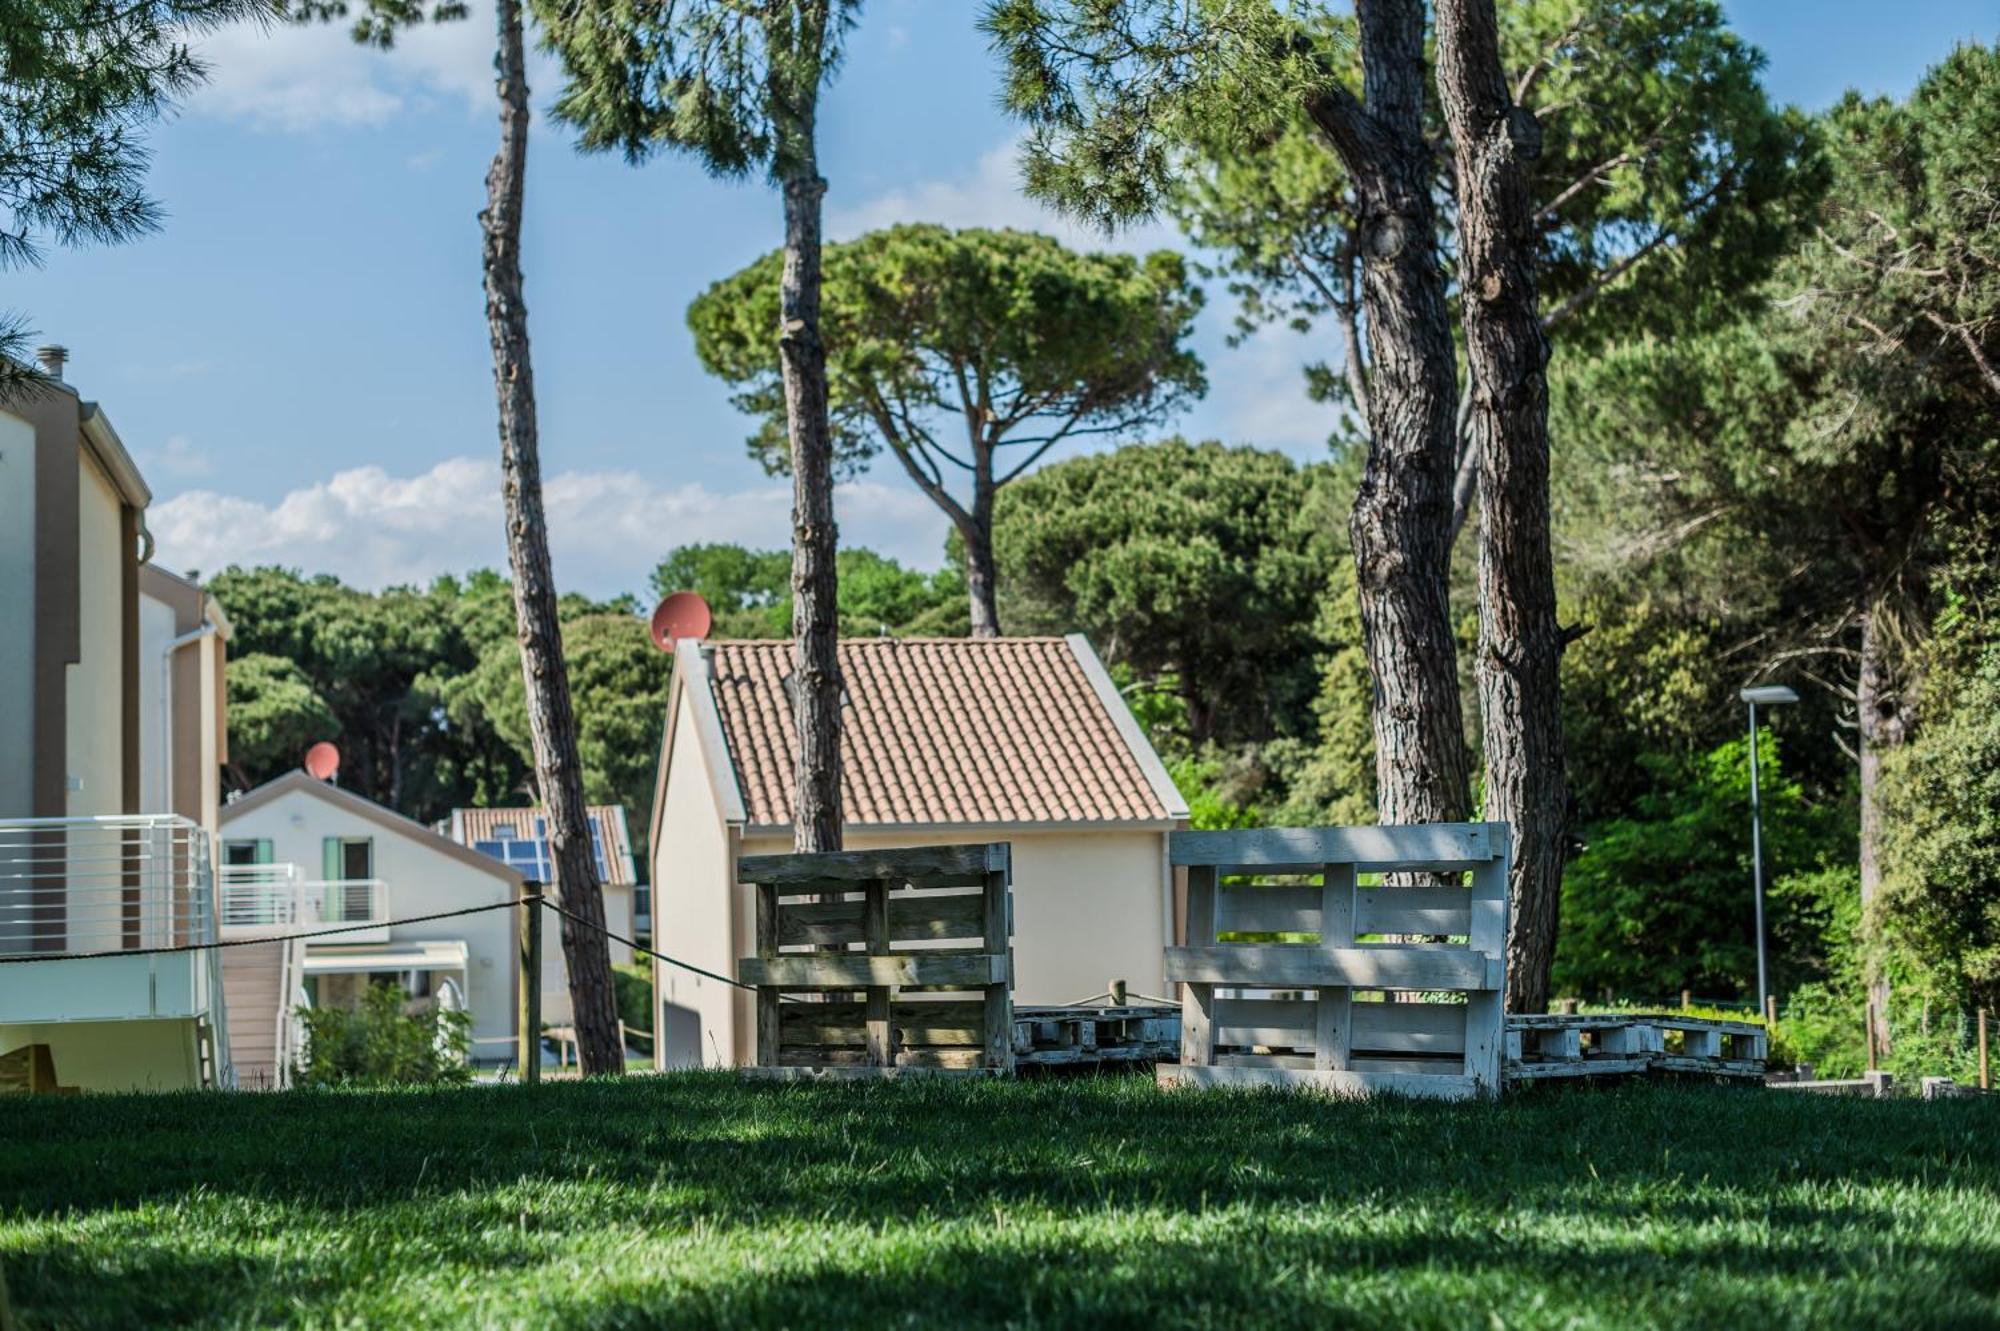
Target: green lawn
(699,1200)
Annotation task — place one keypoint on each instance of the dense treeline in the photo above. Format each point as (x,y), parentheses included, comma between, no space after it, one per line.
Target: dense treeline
(1774,458)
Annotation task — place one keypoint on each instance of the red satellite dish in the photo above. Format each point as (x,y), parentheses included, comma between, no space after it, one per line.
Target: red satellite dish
(682,615)
(322,761)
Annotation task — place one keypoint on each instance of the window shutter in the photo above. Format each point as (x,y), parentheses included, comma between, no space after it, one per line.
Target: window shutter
(263,853)
(330,858)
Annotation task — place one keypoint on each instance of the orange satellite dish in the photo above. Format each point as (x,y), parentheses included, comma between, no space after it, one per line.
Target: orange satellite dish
(322,761)
(681,615)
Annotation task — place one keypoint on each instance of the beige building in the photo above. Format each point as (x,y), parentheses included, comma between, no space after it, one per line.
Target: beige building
(1023,740)
(183,713)
(93,857)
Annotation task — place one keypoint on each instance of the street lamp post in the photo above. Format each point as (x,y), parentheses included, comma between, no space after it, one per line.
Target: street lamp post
(1771,695)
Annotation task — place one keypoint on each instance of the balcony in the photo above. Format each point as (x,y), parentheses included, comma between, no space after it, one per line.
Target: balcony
(268,899)
(115,888)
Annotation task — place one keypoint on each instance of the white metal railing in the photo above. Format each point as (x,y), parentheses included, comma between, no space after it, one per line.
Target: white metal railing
(258,896)
(105,884)
(271,897)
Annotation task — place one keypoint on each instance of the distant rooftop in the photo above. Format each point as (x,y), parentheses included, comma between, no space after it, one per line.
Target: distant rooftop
(519,838)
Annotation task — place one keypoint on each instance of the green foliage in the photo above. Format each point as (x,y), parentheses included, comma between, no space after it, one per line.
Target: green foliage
(1940,910)
(634,984)
(1661,157)
(274,713)
(1197,561)
(751,596)
(379,22)
(928,329)
(378,1044)
(704,1200)
(723,80)
(81,82)
(1659,901)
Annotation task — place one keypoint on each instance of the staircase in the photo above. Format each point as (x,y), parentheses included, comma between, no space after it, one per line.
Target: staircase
(257,982)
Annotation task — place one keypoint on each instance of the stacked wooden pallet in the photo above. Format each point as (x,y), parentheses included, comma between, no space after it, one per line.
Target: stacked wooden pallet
(1610,1044)
(875,962)
(1093,1035)
(1275,911)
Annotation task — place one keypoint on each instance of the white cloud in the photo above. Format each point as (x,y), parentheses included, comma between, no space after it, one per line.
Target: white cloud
(179,456)
(606,528)
(990,196)
(292,77)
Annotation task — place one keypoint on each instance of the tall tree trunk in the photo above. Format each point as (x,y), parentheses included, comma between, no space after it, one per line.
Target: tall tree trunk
(551,721)
(816,817)
(1885,718)
(981,582)
(1520,641)
(1401,525)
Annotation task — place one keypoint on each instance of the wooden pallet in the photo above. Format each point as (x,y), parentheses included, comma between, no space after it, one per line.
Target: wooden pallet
(1545,1047)
(1094,1035)
(882,963)
(1411,1017)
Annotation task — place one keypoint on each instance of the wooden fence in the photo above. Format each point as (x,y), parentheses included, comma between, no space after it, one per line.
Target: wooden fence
(1420,1018)
(843,941)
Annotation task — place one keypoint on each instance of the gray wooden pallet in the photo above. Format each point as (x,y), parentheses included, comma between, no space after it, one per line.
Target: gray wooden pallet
(1616,1044)
(1096,1034)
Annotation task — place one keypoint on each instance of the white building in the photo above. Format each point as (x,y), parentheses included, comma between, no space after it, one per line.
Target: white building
(1023,740)
(348,860)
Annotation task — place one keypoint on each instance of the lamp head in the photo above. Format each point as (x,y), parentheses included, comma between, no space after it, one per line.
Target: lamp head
(1768,695)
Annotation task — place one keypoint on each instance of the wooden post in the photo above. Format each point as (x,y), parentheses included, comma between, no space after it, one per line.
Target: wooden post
(1333,1032)
(1686,1000)
(530,1055)
(875,937)
(767,995)
(1985,1080)
(1117,992)
(1770,1011)
(996,928)
(1198,1012)
(1868,1018)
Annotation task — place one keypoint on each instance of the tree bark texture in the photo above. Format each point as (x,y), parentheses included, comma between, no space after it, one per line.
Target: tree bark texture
(551,719)
(981,579)
(1401,524)
(1520,641)
(816,816)
(1885,719)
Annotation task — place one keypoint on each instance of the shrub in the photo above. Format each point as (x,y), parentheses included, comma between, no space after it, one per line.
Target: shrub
(379,1044)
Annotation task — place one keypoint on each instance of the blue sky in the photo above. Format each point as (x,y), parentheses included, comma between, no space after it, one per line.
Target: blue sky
(299,358)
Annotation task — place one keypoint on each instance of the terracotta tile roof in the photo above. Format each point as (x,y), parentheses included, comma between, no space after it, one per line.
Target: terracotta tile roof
(939,730)
(469,826)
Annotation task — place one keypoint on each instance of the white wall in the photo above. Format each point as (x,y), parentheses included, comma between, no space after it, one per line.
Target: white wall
(95,685)
(556,1007)
(17,613)
(156,630)
(696,1017)
(421,880)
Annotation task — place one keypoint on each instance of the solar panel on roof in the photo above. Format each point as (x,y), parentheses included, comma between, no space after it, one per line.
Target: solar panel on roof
(530,855)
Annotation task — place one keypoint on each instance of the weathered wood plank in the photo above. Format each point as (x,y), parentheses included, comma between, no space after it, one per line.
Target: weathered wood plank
(1351,1083)
(856,971)
(875,930)
(1252,909)
(767,999)
(1334,1028)
(1415,1028)
(916,866)
(924,917)
(1389,967)
(913,1023)
(1425,848)
(1198,1011)
(998,1036)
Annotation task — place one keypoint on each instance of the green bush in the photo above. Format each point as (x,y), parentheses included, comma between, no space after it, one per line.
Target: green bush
(635,994)
(378,1044)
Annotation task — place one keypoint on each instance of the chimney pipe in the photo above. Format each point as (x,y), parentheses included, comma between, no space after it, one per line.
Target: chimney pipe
(53,358)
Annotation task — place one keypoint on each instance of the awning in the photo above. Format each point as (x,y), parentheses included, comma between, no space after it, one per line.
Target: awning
(442,954)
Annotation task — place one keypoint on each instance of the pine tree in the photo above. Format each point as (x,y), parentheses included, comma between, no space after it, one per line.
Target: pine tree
(83,81)
(736,84)
(544,672)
